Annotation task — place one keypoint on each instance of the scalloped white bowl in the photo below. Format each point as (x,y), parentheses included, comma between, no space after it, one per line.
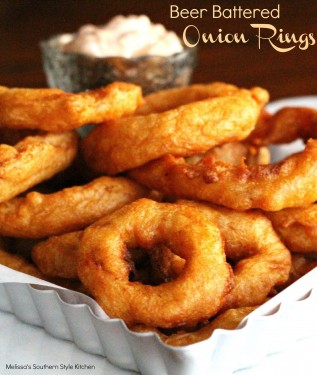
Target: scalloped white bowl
(68,315)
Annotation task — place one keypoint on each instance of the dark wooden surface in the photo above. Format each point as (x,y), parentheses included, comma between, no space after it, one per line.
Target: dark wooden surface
(23,23)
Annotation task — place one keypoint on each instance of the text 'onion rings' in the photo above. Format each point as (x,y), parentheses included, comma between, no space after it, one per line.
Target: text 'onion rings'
(193,296)
(56,111)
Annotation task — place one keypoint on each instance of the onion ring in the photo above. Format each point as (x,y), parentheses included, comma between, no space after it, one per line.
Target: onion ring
(56,111)
(297,227)
(41,215)
(33,160)
(165,100)
(285,126)
(57,256)
(269,187)
(183,131)
(253,246)
(195,295)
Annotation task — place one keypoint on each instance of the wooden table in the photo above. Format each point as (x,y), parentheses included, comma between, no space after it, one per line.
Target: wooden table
(23,23)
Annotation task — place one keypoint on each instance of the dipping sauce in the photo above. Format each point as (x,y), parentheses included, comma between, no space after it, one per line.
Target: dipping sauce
(130,36)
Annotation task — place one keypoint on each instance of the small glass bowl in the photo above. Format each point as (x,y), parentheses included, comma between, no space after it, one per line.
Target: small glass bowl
(75,72)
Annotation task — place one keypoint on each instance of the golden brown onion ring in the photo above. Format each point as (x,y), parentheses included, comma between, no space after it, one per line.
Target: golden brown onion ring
(41,215)
(195,295)
(285,126)
(56,111)
(261,261)
(297,228)
(289,183)
(58,255)
(186,130)
(19,263)
(34,159)
(235,153)
(168,99)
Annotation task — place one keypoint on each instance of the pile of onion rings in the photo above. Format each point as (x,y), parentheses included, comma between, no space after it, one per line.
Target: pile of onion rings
(113,224)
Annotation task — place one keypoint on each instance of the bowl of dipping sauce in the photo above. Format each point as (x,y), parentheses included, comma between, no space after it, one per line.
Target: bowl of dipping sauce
(129,49)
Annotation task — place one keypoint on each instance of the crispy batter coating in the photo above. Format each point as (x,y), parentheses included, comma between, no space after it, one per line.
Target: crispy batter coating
(34,159)
(168,99)
(289,183)
(297,228)
(234,153)
(285,126)
(41,215)
(193,296)
(56,111)
(58,255)
(186,130)
(261,261)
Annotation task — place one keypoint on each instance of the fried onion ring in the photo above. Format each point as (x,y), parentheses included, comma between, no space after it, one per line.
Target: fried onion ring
(56,111)
(289,183)
(193,296)
(41,215)
(255,249)
(166,100)
(186,130)
(58,255)
(285,126)
(297,228)
(34,159)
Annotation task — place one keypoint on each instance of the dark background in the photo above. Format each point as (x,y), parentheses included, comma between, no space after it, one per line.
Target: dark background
(23,23)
